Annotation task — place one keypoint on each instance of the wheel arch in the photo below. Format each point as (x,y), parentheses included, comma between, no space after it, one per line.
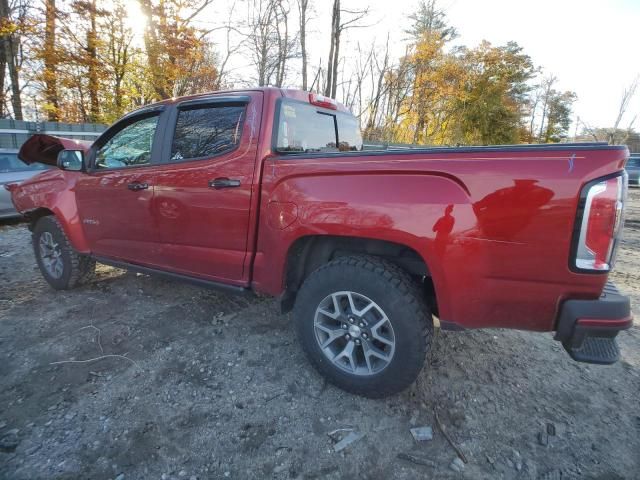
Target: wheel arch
(70,224)
(36,214)
(309,252)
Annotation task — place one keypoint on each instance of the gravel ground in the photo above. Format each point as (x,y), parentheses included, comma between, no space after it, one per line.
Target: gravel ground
(195,384)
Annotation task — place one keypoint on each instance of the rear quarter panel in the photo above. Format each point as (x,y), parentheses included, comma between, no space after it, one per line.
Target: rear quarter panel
(494,229)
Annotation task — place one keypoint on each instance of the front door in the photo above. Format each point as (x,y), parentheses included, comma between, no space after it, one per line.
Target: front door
(115,196)
(203,193)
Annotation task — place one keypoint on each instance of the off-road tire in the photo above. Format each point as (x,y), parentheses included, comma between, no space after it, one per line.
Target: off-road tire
(400,298)
(77,268)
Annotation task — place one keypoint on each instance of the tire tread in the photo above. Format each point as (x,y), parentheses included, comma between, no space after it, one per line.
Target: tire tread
(82,266)
(408,289)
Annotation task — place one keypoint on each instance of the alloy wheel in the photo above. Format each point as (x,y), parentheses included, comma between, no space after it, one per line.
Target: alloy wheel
(354,333)
(51,255)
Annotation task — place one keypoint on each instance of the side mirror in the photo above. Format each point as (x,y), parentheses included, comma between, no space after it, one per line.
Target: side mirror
(72,160)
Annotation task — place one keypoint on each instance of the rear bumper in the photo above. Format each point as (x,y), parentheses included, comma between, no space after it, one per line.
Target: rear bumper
(581,321)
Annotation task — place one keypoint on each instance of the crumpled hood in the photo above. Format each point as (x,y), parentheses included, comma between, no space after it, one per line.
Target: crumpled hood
(45,148)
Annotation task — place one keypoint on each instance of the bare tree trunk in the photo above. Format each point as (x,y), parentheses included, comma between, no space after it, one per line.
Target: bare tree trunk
(264,56)
(534,109)
(281,16)
(269,40)
(229,51)
(549,82)
(10,52)
(336,59)
(94,106)
(50,62)
(627,97)
(335,29)
(302,7)
(16,99)
(379,91)
(119,39)
(316,79)
(260,20)
(3,67)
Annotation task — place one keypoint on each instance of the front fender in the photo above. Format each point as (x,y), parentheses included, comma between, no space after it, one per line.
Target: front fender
(54,191)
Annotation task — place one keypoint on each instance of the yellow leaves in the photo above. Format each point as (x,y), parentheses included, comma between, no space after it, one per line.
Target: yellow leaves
(7,27)
(178,58)
(463,96)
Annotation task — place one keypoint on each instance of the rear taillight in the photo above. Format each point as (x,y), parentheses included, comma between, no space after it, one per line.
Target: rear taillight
(602,208)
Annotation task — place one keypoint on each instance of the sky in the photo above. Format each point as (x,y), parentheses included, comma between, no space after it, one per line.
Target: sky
(591,46)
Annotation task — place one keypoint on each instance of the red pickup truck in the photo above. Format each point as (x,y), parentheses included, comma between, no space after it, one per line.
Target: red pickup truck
(270,190)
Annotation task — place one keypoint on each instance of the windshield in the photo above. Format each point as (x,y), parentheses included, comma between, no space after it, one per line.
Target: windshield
(633,162)
(304,128)
(9,162)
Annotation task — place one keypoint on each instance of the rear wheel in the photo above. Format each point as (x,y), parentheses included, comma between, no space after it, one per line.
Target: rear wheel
(61,266)
(364,324)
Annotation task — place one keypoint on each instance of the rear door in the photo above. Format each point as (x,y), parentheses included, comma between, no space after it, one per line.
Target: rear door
(203,192)
(115,196)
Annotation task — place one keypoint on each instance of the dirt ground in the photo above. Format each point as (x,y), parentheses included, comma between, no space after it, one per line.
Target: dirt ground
(204,385)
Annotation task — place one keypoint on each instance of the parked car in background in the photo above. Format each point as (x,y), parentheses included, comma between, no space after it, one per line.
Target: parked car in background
(13,170)
(633,169)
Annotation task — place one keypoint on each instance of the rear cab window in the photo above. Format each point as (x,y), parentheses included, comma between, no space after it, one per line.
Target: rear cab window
(306,128)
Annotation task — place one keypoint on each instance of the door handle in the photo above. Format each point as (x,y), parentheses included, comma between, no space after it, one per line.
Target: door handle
(135,186)
(223,182)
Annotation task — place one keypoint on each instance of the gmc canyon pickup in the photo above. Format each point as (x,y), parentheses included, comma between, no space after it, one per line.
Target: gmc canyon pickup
(270,190)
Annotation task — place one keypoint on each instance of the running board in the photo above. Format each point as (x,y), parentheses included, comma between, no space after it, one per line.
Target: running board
(200,282)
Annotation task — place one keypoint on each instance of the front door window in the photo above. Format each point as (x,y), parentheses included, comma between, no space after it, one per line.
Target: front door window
(130,147)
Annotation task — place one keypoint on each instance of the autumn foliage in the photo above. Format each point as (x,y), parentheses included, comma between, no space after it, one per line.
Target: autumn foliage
(81,61)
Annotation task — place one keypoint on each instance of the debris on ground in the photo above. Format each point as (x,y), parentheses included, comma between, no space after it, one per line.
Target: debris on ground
(516,459)
(417,460)
(350,438)
(551,429)
(9,442)
(446,435)
(422,434)
(543,438)
(338,433)
(494,390)
(457,465)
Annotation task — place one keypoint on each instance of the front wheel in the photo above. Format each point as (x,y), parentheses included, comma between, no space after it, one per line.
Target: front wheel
(364,325)
(61,266)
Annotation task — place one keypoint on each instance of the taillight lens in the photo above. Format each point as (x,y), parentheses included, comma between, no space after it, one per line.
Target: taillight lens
(601,223)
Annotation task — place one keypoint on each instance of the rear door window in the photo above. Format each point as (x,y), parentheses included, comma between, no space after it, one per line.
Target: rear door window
(206,131)
(304,128)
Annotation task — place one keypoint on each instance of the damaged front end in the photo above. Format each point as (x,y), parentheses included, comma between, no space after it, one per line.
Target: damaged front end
(44,189)
(45,148)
